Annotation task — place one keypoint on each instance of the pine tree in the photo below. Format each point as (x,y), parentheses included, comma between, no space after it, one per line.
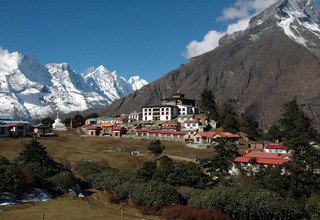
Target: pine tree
(208,105)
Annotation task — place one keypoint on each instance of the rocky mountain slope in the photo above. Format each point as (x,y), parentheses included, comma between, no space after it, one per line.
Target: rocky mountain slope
(29,90)
(271,62)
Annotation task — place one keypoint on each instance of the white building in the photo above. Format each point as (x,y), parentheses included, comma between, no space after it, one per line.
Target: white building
(192,125)
(159,113)
(186,106)
(135,116)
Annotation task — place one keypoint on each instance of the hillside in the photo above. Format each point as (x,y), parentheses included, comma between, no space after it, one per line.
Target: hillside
(261,68)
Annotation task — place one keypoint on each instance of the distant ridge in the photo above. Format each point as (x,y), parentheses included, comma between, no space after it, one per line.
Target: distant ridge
(271,62)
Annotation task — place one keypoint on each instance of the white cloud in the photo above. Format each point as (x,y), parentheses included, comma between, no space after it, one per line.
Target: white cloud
(238,26)
(240,14)
(8,61)
(210,40)
(243,9)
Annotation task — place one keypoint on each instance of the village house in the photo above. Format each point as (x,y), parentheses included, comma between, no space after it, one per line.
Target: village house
(14,128)
(119,121)
(104,120)
(159,112)
(252,160)
(92,130)
(91,121)
(118,131)
(17,129)
(186,106)
(183,118)
(160,135)
(106,128)
(276,148)
(170,126)
(42,130)
(207,138)
(190,126)
(135,116)
(169,109)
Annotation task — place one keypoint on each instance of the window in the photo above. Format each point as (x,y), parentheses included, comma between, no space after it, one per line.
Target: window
(167,117)
(2,131)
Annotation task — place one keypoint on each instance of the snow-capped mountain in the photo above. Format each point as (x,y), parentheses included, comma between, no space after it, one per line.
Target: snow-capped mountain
(136,82)
(32,90)
(298,19)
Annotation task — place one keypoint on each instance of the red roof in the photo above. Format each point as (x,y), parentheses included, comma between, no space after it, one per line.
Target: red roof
(261,160)
(15,124)
(119,119)
(94,127)
(191,121)
(221,134)
(168,127)
(161,131)
(227,135)
(258,154)
(276,146)
(170,123)
(264,158)
(120,128)
(207,134)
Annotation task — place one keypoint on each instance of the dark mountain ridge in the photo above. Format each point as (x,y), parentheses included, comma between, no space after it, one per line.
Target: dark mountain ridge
(260,68)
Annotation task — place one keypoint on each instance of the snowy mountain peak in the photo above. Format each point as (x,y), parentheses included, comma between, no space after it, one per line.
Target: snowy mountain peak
(38,91)
(298,19)
(101,68)
(136,82)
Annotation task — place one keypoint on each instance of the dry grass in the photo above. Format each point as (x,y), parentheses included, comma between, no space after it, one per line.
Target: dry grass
(69,147)
(94,206)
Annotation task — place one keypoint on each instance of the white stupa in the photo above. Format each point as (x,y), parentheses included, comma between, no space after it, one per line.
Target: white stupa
(58,125)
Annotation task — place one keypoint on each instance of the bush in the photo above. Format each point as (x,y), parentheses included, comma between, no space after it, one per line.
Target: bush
(125,190)
(109,179)
(247,203)
(191,213)
(155,194)
(313,207)
(10,177)
(63,180)
(86,168)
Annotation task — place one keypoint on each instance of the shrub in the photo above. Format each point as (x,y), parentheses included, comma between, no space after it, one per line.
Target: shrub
(10,178)
(247,203)
(313,207)
(109,179)
(191,213)
(86,168)
(155,194)
(63,180)
(124,191)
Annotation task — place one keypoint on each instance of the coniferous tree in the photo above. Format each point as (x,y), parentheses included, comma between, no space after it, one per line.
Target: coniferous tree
(156,148)
(208,105)
(295,126)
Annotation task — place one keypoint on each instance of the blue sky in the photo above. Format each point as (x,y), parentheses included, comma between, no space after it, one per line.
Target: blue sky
(141,37)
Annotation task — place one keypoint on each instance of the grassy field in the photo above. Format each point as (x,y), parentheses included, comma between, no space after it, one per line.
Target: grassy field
(94,206)
(68,148)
